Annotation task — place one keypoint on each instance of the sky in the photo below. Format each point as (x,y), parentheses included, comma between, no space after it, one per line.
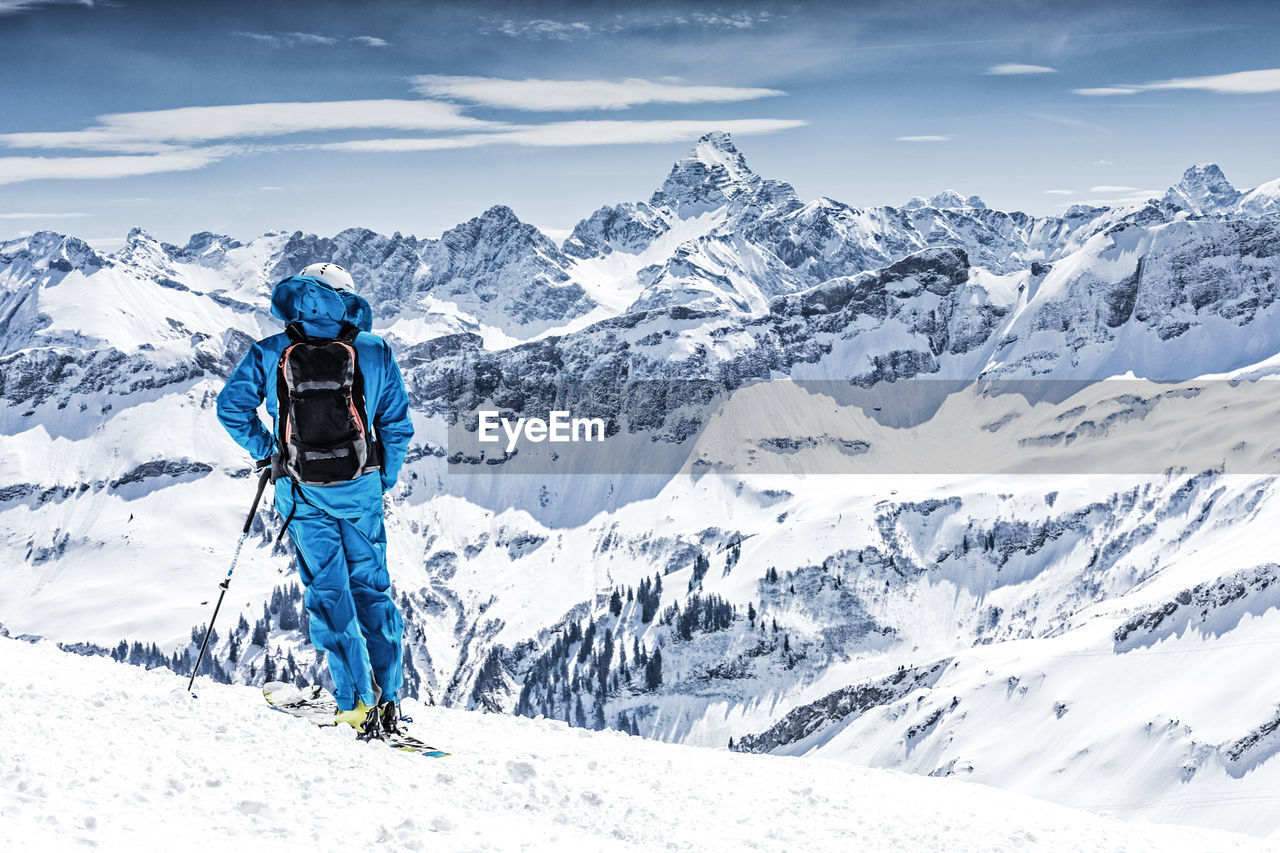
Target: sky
(243,118)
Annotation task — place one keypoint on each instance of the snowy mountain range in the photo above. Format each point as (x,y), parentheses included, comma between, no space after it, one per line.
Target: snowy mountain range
(1101,639)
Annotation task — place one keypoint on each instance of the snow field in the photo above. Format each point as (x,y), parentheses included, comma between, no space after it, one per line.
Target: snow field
(116,758)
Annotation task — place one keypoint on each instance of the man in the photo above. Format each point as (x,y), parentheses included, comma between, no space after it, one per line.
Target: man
(336,527)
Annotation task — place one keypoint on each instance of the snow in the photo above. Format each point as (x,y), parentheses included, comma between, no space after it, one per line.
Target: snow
(124,759)
(506,563)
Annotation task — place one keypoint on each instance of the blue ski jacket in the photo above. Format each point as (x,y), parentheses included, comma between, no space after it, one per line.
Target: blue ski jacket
(321,310)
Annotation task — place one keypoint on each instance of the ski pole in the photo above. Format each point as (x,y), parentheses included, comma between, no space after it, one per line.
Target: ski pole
(226,582)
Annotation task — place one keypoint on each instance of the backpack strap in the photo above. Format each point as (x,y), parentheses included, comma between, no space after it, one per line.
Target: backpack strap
(347,334)
(295,332)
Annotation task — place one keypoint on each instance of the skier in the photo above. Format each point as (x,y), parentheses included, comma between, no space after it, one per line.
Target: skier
(329,487)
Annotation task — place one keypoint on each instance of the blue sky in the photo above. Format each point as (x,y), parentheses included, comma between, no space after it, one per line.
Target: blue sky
(243,118)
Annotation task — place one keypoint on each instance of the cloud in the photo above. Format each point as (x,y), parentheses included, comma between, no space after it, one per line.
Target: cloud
(1108,188)
(548,29)
(1136,196)
(158,131)
(542,28)
(14,170)
(922,138)
(121,145)
(43,215)
(1059,192)
(1238,83)
(1064,121)
(312,39)
(14,7)
(1009,68)
(1102,163)
(553,95)
(1107,90)
(571,134)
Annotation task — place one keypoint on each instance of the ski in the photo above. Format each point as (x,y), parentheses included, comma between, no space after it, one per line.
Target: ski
(317,704)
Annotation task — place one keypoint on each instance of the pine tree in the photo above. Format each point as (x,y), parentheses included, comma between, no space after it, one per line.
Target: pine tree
(653,672)
(288,615)
(751,613)
(700,566)
(242,627)
(259,637)
(587,637)
(268,667)
(615,603)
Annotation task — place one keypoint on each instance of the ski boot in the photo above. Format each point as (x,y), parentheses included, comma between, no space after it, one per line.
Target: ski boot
(389,718)
(364,719)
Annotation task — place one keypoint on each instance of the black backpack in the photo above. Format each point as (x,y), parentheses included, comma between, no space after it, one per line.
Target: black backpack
(321,434)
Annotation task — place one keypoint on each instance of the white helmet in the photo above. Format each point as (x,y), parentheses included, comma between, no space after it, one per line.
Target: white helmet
(332,275)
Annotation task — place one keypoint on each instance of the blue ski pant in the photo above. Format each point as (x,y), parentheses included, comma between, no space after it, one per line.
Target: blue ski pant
(354,619)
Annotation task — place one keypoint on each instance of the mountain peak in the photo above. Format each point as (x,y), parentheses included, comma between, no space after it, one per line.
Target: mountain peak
(1211,171)
(710,175)
(1203,189)
(715,146)
(946,200)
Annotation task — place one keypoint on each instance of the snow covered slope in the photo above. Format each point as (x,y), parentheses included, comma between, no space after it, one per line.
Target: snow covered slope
(126,760)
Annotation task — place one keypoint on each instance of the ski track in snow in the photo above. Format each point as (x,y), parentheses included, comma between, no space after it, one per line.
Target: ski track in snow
(108,756)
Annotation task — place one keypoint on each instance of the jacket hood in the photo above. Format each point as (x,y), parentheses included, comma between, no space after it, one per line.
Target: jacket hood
(313,302)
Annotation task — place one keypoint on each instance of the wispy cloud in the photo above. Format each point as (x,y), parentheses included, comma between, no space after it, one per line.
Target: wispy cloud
(1010,68)
(1065,121)
(17,169)
(543,28)
(1134,196)
(13,7)
(572,133)
(1109,188)
(1238,83)
(189,138)
(43,215)
(550,29)
(923,138)
(549,95)
(1102,163)
(160,130)
(1059,192)
(296,39)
